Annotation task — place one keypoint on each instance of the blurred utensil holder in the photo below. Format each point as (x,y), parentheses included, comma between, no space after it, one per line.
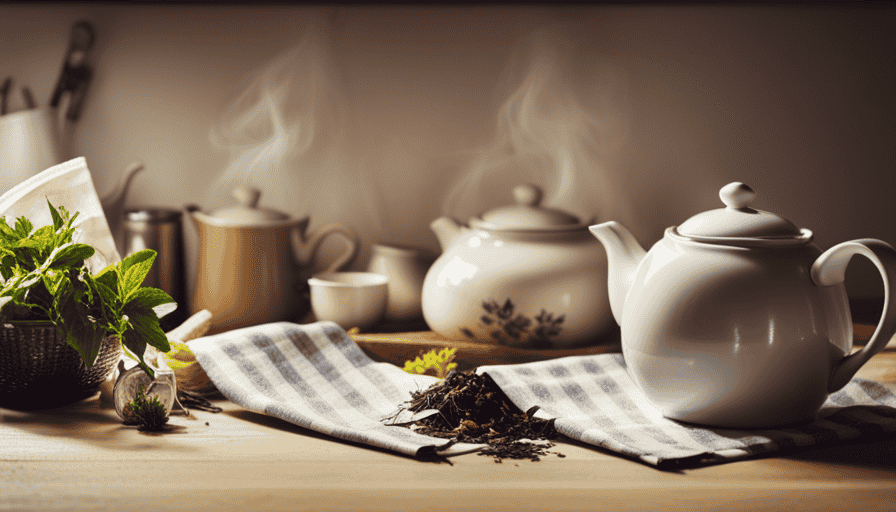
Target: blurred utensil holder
(31,142)
(160,229)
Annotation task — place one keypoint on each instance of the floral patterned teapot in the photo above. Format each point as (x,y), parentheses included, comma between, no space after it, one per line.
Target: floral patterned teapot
(522,275)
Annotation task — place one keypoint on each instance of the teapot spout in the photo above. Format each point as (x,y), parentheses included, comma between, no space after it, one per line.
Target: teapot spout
(624,254)
(447,230)
(113,202)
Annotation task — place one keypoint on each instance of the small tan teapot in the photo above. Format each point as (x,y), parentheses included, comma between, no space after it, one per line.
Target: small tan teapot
(251,261)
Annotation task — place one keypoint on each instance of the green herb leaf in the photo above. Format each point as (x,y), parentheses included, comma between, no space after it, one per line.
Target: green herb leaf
(104,290)
(72,255)
(108,276)
(54,281)
(57,219)
(133,271)
(29,243)
(149,298)
(143,330)
(44,234)
(6,232)
(23,227)
(86,339)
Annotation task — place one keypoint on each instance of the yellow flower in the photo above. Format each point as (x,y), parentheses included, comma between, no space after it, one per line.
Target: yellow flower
(440,362)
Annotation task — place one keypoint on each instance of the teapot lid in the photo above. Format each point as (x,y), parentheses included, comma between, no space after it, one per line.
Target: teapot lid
(247,212)
(738,224)
(527,213)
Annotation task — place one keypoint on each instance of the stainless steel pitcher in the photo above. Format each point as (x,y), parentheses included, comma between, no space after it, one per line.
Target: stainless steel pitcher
(160,229)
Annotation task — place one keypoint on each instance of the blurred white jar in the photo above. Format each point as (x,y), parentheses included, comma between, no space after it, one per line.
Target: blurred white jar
(406,269)
(31,143)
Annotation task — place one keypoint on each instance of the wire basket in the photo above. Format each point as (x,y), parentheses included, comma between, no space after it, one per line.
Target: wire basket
(39,370)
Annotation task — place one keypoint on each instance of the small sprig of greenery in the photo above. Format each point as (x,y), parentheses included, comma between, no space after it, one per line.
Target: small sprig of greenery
(44,276)
(147,413)
(439,362)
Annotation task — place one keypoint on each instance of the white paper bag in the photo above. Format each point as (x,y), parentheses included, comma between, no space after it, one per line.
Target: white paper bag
(68,184)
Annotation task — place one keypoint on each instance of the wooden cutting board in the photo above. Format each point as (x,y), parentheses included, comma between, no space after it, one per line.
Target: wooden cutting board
(398,347)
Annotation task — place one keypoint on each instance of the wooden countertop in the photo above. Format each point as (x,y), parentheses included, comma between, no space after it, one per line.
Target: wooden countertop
(81,457)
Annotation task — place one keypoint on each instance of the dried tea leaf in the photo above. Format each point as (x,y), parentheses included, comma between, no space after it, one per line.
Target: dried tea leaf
(471,408)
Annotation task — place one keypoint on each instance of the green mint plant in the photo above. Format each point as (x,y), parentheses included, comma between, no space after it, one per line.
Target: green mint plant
(44,276)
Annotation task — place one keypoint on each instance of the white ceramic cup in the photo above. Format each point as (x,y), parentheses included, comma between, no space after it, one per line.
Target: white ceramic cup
(351,299)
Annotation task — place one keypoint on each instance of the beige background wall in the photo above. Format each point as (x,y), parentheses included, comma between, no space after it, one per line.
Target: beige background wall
(670,103)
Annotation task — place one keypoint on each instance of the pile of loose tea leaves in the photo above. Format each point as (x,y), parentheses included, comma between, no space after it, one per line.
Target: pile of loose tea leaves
(471,408)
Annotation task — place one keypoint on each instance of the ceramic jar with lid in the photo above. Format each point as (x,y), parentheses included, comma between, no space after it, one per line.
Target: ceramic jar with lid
(523,275)
(406,267)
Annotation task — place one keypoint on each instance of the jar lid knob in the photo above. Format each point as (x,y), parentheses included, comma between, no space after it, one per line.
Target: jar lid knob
(527,195)
(737,195)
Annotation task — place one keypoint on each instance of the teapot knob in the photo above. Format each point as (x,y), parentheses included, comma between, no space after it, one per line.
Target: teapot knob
(737,195)
(247,196)
(527,195)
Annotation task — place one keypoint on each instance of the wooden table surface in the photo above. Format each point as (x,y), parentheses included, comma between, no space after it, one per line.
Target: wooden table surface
(81,457)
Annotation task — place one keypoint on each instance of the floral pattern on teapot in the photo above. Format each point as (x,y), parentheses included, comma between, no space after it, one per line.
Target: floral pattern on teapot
(505,327)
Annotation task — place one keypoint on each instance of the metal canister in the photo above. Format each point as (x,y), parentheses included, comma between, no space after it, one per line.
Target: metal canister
(160,229)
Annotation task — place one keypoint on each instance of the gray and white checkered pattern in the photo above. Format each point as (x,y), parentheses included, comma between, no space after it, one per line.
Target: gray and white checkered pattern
(316,377)
(594,400)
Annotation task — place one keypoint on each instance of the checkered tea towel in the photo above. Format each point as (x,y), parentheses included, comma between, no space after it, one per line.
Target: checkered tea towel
(594,400)
(316,377)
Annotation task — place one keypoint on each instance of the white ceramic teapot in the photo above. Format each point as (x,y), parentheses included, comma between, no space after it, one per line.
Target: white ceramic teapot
(735,319)
(522,275)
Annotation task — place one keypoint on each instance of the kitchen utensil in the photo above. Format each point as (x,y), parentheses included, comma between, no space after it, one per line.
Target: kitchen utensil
(4,94)
(523,275)
(351,299)
(76,72)
(160,229)
(406,269)
(254,262)
(30,143)
(28,98)
(735,319)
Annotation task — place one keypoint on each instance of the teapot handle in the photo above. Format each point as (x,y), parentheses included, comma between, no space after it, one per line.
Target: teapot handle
(830,269)
(306,248)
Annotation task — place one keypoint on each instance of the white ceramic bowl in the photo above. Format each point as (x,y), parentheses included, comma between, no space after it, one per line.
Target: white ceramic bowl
(351,299)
